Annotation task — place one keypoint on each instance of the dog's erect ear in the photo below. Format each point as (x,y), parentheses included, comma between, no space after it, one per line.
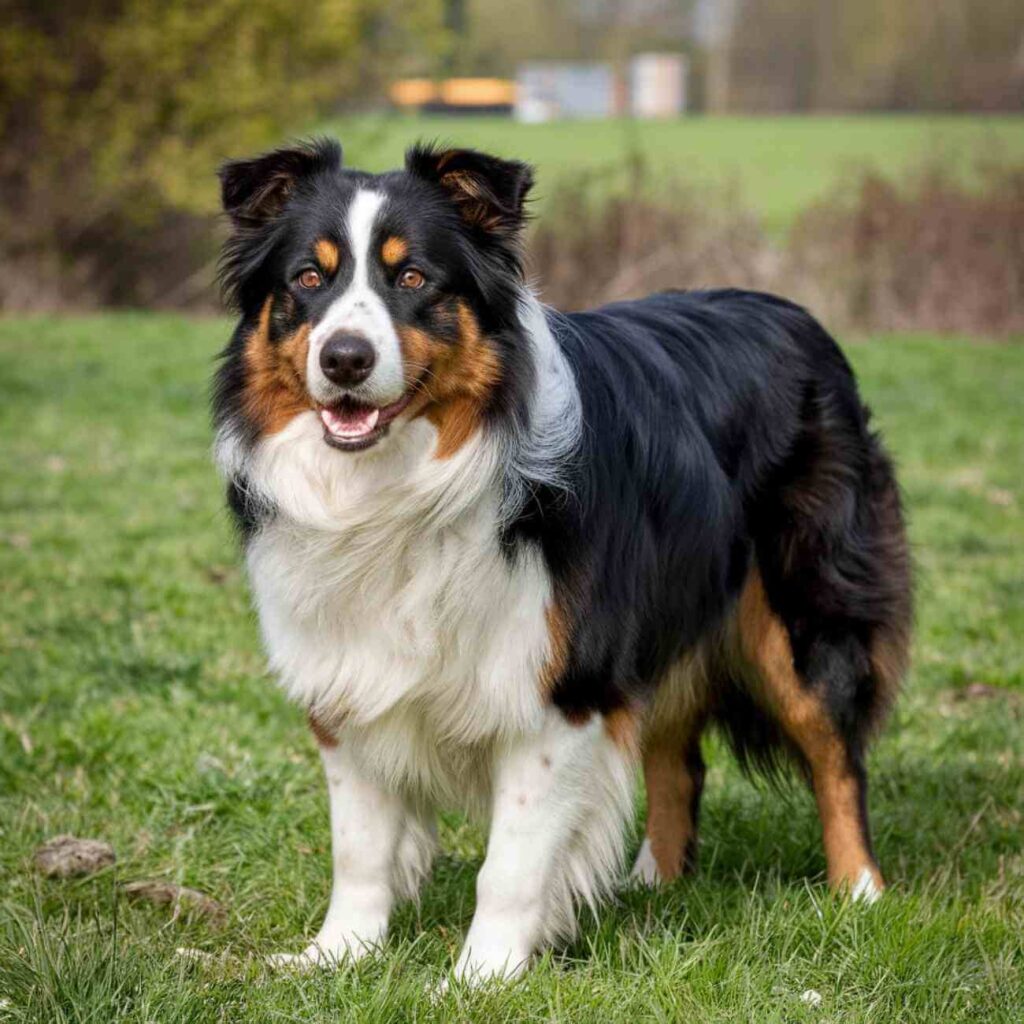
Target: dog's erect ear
(489,192)
(255,191)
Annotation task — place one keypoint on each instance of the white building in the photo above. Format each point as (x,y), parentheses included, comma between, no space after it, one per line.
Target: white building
(657,85)
(556,90)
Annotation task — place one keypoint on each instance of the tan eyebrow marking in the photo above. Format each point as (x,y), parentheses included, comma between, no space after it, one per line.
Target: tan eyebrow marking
(394,250)
(327,255)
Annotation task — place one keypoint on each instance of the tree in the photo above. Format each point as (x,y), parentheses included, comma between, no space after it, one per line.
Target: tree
(115,113)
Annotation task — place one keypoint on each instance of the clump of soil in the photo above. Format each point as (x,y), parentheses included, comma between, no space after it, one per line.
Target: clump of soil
(70,857)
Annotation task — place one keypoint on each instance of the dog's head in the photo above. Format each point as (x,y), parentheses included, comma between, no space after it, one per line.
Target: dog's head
(370,300)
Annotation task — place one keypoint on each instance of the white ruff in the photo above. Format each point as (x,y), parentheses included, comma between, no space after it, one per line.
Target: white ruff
(384,597)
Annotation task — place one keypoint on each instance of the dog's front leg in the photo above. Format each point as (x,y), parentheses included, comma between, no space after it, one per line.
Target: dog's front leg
(367,826)
(543,789)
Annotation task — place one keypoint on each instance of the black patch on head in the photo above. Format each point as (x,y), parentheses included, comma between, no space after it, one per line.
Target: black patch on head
(255,191)
(488,192)
(255,194)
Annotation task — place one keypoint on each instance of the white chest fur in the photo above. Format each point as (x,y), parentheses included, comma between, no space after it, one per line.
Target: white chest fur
(384,599)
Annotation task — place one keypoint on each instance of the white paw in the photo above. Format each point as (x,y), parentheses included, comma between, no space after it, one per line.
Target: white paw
(468,977)
(480,965)
(438,990)
(309,959)
(319,954)
(865,889)
(645,870)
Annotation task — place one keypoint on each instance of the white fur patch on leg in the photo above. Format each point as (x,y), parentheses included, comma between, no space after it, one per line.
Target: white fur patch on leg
(865,890)
(561,798)
(645,870)
(370,832)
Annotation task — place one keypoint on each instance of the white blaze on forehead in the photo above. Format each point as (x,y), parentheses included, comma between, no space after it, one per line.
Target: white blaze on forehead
(362,310)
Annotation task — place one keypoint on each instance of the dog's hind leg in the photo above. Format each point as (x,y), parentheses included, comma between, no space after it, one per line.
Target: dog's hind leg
(674,771)
(674,779)
(800,707)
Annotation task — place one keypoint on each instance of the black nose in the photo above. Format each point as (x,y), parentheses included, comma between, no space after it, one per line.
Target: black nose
(347,358)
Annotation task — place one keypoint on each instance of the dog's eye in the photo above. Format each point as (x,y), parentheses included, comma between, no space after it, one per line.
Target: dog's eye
(310,279)
(411,278)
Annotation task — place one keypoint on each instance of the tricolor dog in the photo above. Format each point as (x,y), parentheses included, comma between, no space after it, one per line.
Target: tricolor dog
(508,558)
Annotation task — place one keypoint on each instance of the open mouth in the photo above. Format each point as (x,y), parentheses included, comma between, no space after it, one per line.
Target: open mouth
(352,426)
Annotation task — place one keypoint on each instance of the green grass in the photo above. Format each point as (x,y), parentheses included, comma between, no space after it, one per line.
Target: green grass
(134,708)
(777,165)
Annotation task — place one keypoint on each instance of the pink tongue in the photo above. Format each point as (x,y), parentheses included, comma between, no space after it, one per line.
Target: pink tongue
(357,421)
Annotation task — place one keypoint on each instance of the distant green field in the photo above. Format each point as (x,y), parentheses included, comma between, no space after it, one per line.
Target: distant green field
(135,707)
(778,164)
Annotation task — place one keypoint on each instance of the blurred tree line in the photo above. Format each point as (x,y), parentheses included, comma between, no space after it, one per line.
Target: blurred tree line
(804,55)
(754,55)
(778,55)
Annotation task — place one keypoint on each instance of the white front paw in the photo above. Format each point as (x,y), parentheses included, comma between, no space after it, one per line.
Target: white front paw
(328,950)
(482,962)
(312,956)
(866,889)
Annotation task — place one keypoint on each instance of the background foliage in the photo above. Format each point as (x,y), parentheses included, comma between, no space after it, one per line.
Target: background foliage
(114,114)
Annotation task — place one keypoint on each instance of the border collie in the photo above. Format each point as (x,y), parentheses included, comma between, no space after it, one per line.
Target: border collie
(506,557)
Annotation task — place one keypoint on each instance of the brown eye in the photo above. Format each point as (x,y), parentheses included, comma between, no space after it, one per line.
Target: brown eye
(411,278)
(310,279)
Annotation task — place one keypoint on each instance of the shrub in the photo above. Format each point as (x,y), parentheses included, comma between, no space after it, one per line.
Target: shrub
(932,253)
(115,114)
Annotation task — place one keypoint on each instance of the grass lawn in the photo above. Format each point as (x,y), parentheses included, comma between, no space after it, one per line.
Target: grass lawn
(778,165)
(134,708)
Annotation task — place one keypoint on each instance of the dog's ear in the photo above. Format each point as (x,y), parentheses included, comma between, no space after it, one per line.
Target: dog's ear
(255,191)
(490,193)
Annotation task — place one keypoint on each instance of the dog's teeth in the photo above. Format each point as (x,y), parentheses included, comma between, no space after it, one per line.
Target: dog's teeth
(357,424)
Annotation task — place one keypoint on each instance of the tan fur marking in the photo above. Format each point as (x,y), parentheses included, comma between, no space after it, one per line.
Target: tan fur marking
(456,425)
(801,712)
(275,386)
(465,189)
(683,697)
(321,731)
(673,726)
(418,350)
(578,718)
(670,797)
(558,649)
(473,372)
(327,255)
(456,379)
(890,657)
(394,250)
(623,729)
